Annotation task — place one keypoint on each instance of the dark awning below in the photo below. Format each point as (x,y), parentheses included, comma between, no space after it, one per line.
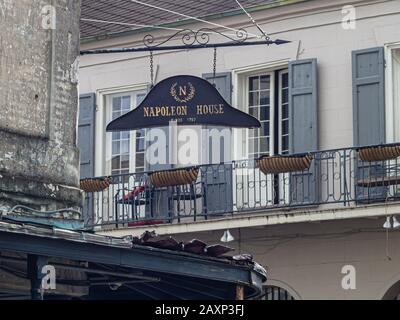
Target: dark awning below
(188,100)
(141,272)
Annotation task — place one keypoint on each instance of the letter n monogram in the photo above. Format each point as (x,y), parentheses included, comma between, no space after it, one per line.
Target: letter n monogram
(182,90)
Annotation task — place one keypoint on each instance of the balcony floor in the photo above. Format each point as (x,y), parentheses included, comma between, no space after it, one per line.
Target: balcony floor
(265,218)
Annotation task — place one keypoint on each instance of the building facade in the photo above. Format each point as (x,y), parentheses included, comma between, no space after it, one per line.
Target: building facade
(333,89)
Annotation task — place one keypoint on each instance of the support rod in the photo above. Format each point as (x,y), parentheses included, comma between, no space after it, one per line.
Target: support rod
(239,292)
(185,47)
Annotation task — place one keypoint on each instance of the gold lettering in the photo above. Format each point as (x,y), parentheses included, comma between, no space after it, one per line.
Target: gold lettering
(166,111)
(179,110)
(182,91)
(210,109)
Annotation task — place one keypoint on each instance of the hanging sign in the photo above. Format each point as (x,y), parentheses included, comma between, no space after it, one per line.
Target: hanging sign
(188,100)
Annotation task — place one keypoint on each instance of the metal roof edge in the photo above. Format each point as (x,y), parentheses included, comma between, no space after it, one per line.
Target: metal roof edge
(229,13)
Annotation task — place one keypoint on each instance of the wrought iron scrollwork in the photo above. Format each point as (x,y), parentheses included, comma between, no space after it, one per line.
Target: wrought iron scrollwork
(200,37)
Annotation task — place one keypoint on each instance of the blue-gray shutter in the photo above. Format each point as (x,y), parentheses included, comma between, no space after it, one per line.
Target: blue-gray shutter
(368,68)
(86,116)
(218,177)
(303,103)
(303,127)
(368,96)
(87,110)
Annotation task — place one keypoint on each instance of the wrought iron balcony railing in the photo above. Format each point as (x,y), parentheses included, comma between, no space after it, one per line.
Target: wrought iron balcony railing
(342,177)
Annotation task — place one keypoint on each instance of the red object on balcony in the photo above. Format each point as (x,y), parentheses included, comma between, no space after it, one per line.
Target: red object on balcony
(132,194)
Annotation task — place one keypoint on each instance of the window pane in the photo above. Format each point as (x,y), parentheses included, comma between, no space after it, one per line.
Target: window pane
(264,82)
(264,113)
(116,147)
(115,163)
(253,146)
(139,145)
(254,112)
(254,98)
(116,114)
(285,95)
(116,135)
(285,127)
(285,80)
(285,111)
(251,133)
(139,160)
(125,135)
(264,97)
(285,144)
(265,128)
(126,103)
(124,146)
(253,83)
(264,144)
(125,162)
(140,133)
(116,104)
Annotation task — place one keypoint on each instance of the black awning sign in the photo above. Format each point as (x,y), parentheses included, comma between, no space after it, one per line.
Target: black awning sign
(188,100)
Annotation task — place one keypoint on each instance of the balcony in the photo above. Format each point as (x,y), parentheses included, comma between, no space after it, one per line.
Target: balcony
(331,178)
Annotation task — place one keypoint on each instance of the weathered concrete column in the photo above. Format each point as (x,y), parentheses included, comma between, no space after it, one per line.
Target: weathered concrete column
(39,46)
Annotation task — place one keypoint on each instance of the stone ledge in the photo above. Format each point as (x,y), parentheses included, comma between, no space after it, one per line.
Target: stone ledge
(18,190)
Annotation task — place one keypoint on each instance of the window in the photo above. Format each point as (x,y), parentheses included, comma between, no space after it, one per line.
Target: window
(396,92)
(125,149)
(283,112)
(120,145)
(276,293)
(259,104)
(140,141)
(273,113)
(392,101)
